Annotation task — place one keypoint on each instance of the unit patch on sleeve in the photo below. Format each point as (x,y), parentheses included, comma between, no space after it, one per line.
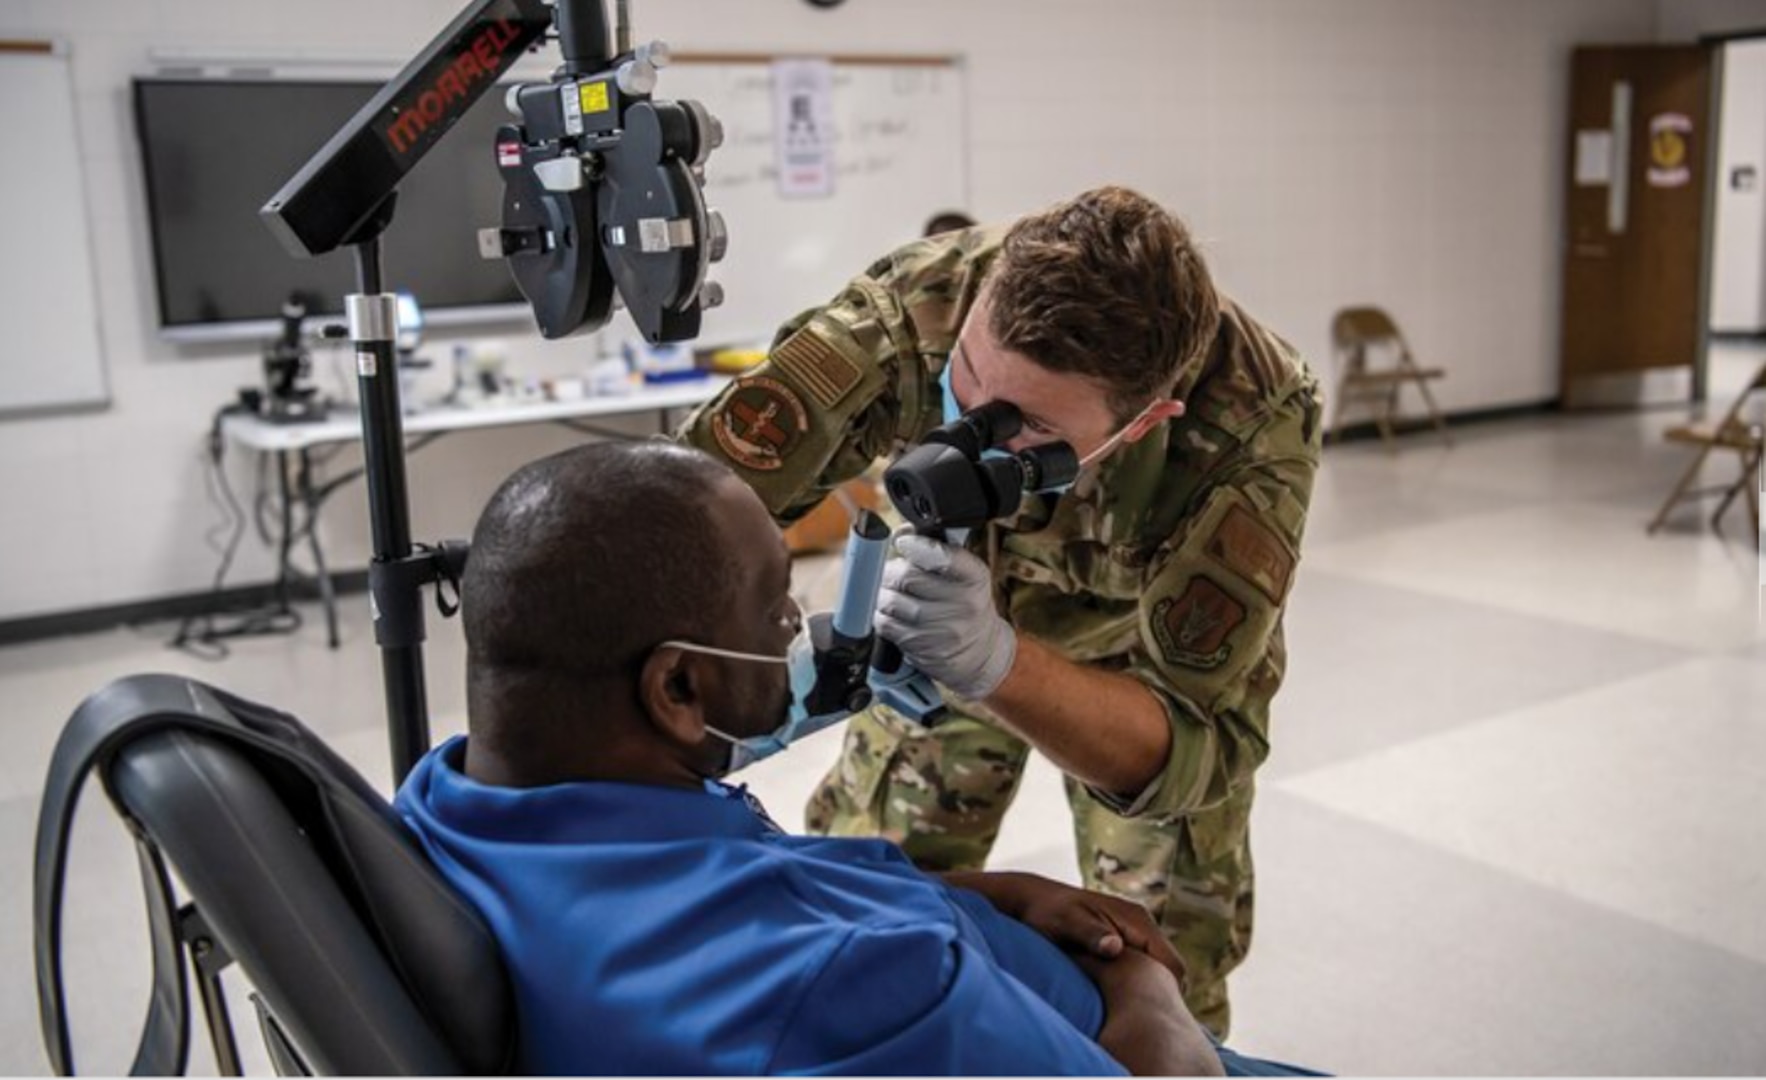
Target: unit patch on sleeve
(817,366)
(1251,550)
(1192,629)
(761,422)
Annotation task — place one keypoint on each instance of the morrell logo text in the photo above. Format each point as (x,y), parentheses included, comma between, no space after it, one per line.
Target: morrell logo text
(480,59)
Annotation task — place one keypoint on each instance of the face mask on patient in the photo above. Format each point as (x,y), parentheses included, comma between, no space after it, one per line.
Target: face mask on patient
(800,658)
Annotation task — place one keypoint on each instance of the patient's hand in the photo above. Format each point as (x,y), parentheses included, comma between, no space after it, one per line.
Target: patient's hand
(1076,919)
(1147,1026)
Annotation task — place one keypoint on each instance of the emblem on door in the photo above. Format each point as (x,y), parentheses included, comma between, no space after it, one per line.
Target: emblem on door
(1670,159)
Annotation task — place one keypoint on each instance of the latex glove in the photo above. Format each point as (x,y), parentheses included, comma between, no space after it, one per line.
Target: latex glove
(937,605)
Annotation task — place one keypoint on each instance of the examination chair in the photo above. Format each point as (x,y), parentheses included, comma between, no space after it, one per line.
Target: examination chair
(361,958)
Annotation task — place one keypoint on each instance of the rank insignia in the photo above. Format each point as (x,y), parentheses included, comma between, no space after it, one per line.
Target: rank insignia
(1251,550)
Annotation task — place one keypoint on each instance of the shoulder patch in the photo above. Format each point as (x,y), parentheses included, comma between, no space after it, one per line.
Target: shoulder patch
(760,423)
(817,366)
(1191,629)
(1253,551)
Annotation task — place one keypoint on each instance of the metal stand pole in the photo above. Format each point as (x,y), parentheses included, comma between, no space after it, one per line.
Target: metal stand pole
(398,608)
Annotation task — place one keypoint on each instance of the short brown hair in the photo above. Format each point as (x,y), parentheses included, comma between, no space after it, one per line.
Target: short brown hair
(1108,284)
(947,221)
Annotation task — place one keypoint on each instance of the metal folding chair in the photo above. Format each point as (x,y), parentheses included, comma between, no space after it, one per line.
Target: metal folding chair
(1357,333)
(1730,433)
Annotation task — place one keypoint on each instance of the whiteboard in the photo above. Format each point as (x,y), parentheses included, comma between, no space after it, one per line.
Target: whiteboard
(50,352)
(900,155)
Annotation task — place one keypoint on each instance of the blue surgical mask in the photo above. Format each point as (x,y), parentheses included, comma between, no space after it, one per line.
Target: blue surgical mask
(954,412)
(800,659)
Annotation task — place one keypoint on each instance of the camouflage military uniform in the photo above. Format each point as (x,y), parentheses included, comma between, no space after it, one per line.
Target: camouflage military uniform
(1170,565)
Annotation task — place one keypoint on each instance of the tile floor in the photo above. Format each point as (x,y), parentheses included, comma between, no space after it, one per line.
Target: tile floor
(1513,821)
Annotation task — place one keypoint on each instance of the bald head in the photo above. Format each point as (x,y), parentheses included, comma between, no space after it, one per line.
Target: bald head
(581,564)
(584,560)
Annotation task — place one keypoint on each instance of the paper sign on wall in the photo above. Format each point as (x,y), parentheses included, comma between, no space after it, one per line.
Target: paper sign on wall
(1594,158)
(1670,159)
(803,127)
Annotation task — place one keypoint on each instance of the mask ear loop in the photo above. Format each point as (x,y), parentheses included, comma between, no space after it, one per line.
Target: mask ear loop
(1146,420)
(690,646)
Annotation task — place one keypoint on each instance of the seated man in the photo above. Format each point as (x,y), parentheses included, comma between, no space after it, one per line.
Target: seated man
(628,619)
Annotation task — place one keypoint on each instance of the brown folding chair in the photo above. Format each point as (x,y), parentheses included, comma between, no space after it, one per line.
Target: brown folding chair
(1731,433)
(1357,332)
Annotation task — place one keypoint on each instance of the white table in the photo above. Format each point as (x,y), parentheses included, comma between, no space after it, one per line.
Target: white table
(296,441)
(256,433)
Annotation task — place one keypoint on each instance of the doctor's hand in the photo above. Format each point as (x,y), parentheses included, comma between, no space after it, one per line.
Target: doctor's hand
(937,605)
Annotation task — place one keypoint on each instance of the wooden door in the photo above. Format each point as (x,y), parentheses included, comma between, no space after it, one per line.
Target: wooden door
(1635,209)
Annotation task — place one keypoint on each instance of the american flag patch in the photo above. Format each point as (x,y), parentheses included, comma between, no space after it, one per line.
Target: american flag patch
(817,367)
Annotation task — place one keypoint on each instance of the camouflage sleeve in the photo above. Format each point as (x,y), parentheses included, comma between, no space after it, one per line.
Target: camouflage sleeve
(820,410)
(1210,638)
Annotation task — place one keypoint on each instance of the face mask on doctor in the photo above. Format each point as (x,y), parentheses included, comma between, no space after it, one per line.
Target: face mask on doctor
(800,658)
(1155,413)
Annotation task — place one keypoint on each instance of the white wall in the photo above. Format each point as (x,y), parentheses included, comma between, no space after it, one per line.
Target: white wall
(1687,20)
(1404,152)
(1738,257)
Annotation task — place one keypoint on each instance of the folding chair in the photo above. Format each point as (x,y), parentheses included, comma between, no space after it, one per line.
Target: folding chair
(1355,332)
(1731,433)
(364,961)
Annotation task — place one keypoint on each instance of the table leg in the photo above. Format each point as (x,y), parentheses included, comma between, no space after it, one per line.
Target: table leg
(311,500)
(1756,484)
(285,544)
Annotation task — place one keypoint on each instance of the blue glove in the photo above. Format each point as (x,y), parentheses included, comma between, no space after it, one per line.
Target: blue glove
(937,605)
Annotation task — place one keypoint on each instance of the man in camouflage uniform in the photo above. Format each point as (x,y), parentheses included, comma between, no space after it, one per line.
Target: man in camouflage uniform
(1129,628)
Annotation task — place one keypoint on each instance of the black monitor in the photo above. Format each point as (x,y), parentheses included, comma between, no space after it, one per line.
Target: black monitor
(214,150)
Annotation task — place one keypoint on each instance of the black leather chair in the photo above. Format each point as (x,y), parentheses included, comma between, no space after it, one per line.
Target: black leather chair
(362,958)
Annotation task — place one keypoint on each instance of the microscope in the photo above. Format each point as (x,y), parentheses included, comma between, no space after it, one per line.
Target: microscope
(286,398)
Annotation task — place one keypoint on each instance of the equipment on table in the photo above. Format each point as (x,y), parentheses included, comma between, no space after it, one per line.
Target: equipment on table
(287,399)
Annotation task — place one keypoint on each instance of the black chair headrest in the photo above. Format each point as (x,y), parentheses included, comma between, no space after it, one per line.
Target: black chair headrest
(302,869)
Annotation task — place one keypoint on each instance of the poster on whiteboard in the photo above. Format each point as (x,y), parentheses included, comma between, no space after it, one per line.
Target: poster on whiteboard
(803,127)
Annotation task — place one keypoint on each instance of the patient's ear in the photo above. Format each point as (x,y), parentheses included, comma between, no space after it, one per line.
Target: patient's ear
(671,690)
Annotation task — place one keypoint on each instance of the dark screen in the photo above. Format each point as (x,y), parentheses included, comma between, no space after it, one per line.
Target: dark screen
(214,151)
